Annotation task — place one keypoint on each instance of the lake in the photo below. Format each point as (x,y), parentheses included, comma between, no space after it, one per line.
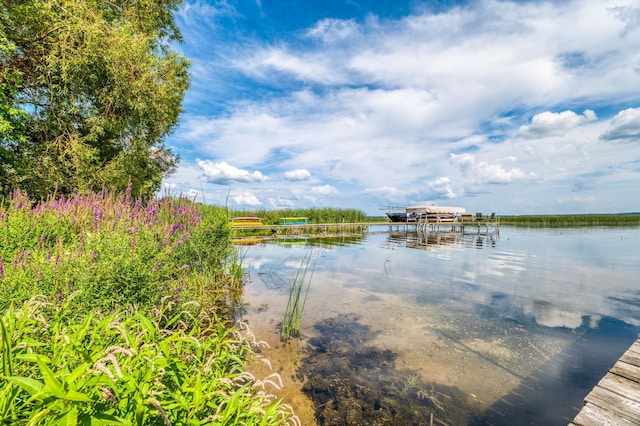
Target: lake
(405,327)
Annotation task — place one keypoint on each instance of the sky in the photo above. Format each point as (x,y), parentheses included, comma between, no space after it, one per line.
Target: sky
(513,107)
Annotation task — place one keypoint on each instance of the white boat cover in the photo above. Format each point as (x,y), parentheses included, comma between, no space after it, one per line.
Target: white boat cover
(436,209)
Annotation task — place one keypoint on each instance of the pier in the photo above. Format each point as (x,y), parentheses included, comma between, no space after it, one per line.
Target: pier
(615,400)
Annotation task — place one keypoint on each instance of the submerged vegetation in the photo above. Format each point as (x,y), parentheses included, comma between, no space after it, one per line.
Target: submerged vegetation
(575,220)
(114,312)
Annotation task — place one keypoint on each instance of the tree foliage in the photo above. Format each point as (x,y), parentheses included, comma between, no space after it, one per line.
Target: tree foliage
(89,89)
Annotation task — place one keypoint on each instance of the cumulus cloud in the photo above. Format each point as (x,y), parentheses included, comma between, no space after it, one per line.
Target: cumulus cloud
(324,190)
(443,187)
(554,123)
(483,172)
(625,126)
(244,197)
(297,175)
(223,173)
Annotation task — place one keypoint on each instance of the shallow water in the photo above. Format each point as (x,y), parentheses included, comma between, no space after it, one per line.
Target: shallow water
(514,328)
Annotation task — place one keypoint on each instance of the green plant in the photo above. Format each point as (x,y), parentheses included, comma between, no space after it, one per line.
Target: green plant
(173,367)
(571,220)
(295,306)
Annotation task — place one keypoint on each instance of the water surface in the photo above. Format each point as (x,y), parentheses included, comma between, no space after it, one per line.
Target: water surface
(508,328)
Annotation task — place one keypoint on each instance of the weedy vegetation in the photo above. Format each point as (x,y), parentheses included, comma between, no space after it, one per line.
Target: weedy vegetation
(99,320)
(298,292)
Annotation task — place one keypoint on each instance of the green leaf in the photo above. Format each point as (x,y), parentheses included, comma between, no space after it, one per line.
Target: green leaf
(103,419)
(75,374)
(53,384)
(70,418)
(31,357)
(32,386)
(77,396)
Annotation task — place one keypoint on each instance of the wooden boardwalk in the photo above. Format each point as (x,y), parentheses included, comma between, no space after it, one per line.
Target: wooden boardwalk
(616,398)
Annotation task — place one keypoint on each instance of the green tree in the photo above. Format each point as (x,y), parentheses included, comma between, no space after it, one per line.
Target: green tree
(89,89)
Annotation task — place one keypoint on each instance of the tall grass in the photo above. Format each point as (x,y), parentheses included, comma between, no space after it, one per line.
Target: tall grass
(315,215)
(563,221)
(90,330)
(298,292)
(115,250)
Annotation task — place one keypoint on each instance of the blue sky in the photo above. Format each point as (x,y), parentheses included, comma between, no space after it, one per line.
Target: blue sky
(514,107)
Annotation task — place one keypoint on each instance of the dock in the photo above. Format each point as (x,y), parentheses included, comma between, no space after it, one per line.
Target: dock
(615,400)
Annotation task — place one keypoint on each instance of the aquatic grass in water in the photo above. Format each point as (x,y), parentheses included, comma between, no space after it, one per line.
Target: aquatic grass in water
(567,221)
(295,306)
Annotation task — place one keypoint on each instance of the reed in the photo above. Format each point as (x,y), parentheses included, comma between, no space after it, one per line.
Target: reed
(315,215)
(564,221)
(298,292)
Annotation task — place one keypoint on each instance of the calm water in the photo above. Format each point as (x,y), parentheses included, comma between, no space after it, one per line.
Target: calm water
(514,328)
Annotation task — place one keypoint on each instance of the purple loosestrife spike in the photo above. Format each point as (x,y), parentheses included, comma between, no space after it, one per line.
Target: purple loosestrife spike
(1,267)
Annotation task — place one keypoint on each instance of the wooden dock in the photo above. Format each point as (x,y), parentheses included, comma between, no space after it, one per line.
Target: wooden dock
(616,398)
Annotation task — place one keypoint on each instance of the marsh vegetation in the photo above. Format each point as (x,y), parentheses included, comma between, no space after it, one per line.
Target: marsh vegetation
(115,311)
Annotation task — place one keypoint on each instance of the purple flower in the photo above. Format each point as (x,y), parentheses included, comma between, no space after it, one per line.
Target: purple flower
(1,267)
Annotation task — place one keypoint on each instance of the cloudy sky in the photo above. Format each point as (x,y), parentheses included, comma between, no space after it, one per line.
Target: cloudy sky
(517,107)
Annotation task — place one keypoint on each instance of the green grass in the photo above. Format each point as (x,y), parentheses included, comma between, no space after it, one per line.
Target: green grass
(563,221)
(298,292)
(315,215)
(96,321)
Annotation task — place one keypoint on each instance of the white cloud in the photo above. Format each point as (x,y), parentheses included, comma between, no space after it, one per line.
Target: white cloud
(331,30)
(484,172)
(244,197)
(442,186)
(324,190)
(554,123)
(624,126)
(297,175)
(223,173)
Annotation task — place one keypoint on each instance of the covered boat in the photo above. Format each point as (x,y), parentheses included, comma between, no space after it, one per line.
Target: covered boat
(413,213)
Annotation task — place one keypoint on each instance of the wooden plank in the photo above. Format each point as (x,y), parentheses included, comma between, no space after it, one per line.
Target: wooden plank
(631,357)
(618,406)
(628,371)
(591,415)
(624,387)
(635,347)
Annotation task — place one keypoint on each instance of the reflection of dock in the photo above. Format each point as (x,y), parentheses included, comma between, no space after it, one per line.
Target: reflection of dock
(418,239)
(616,398)
(466,223)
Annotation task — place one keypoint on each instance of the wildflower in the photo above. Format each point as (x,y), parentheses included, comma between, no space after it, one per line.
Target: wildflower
(1,267)
(158,407)
(108,395)
(185,266)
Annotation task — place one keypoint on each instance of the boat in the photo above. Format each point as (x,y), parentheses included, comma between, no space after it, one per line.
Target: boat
(245,221)
(431,211)
(299,220)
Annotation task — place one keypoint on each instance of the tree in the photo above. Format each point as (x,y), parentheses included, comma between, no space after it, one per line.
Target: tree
(89,89)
